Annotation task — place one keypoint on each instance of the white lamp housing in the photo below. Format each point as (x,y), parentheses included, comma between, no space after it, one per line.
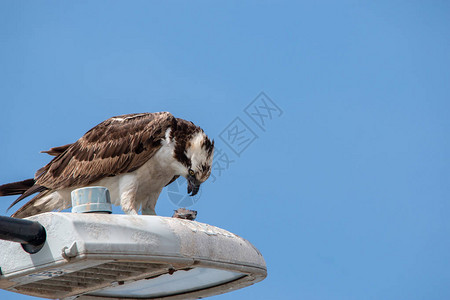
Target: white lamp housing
(103,256)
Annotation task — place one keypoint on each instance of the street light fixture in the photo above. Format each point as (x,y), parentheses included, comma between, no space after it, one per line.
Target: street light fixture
(97,256)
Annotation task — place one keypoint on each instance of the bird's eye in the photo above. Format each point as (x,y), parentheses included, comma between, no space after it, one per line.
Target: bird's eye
(191,172)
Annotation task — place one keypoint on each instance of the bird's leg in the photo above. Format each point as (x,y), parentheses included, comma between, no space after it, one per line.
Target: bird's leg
(148,207)
(131,212)
(128,189)
(128,204)
(148,211)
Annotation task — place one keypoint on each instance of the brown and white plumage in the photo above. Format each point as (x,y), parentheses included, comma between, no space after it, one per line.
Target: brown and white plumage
(133,155)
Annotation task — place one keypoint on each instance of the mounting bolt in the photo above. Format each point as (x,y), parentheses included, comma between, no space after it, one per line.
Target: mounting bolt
(70,252)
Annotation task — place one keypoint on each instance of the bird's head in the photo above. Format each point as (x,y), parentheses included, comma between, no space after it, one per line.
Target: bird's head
(195,151)
(200,152)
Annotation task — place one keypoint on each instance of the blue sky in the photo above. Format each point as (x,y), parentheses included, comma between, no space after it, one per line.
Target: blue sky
(346,193)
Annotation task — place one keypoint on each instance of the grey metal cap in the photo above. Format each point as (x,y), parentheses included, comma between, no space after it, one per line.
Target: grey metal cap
(91,199)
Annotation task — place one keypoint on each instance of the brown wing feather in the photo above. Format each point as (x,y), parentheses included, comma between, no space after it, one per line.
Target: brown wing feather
(55,151)
(118,145)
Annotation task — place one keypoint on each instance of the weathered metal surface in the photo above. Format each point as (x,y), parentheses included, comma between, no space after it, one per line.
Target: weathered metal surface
(94,251)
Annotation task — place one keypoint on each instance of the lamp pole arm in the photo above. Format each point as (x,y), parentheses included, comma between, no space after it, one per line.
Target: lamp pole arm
(30,234)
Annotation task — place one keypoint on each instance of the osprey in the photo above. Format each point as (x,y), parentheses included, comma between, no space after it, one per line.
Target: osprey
(133,155)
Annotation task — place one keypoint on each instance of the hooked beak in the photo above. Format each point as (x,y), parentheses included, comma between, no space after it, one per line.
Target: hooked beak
(193,185)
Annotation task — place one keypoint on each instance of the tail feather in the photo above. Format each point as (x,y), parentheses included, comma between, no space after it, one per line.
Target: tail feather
(23,188)
(16,188)
(30,191)
(35,206)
